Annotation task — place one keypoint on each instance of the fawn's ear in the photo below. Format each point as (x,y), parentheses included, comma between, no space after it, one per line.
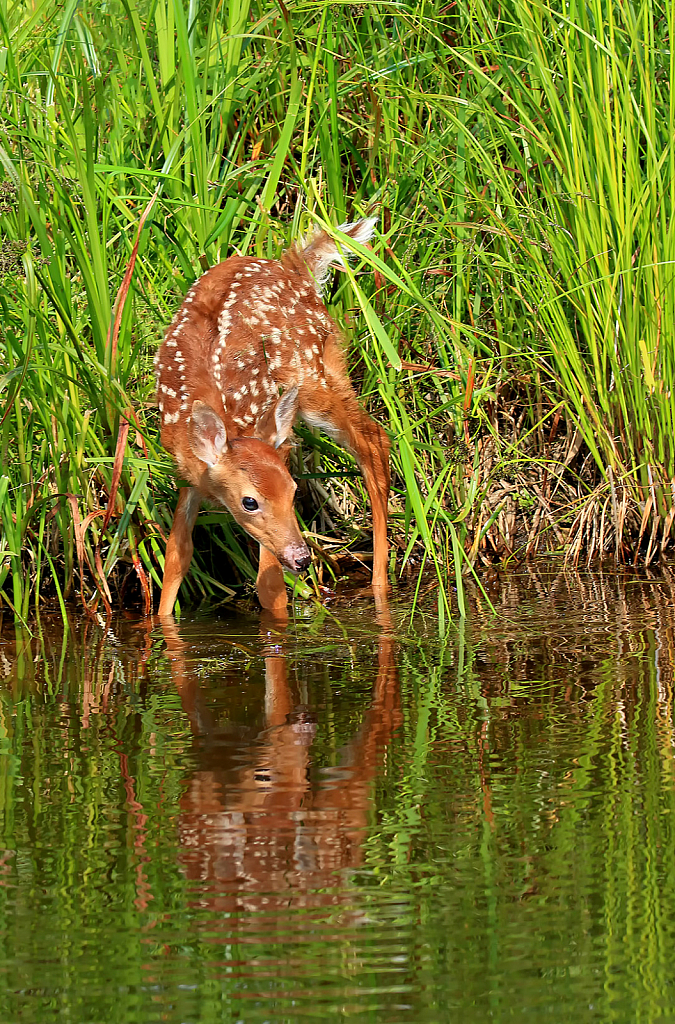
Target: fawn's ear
(277,423)
(206,433)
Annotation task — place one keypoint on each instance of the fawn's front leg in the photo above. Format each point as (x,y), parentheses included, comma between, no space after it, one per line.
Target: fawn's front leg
(271,586)
(179,547)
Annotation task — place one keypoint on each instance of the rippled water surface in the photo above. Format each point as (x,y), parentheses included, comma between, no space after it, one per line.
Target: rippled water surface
(220,821)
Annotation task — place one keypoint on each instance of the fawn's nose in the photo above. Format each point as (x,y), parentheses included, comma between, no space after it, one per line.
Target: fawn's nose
(297,557)
(302,561)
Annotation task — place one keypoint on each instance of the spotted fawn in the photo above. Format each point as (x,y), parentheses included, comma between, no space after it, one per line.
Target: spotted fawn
(251,349)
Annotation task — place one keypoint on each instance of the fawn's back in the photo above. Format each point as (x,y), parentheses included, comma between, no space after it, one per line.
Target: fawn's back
(247,330)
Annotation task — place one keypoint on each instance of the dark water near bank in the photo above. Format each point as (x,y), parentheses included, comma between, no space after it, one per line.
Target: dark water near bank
(224,823)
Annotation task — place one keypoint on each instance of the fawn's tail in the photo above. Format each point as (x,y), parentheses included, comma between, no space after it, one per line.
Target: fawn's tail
(320,251)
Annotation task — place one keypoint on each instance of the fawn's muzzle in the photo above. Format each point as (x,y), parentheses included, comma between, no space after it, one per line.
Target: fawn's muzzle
(296,557)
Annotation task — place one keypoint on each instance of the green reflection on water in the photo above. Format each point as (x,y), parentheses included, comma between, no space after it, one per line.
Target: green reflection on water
(223,822)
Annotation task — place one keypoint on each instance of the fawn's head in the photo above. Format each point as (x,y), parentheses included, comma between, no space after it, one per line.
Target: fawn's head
(249,476)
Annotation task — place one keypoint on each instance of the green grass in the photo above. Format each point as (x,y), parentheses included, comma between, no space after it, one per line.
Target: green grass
(569,134)
(520,160)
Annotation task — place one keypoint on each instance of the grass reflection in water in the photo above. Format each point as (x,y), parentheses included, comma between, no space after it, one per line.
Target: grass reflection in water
(222,822)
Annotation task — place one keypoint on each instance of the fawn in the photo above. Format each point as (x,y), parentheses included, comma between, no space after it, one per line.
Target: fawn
(252,348)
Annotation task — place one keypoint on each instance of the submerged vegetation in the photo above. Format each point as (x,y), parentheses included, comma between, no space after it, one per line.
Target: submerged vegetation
(513,325)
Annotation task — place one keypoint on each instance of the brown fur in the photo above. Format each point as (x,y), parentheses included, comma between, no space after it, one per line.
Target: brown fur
(248,331)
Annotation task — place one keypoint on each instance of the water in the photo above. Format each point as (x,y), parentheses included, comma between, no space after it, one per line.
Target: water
(220,822)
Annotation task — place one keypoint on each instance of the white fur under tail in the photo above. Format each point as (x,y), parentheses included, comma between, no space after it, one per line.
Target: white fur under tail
(320,251)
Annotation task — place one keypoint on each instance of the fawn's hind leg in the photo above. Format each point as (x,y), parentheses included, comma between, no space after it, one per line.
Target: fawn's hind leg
(343,419)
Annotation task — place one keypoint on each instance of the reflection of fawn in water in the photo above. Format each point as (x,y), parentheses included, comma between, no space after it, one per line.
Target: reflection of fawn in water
(252,822)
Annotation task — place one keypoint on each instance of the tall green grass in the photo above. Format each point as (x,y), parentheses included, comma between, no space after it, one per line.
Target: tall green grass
(510,247)
(252,125)
(569,127)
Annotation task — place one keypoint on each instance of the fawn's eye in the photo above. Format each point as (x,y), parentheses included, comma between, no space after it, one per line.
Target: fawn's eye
(250,504)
